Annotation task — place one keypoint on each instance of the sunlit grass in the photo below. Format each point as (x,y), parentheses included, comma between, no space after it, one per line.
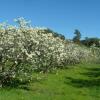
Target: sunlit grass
(80,82)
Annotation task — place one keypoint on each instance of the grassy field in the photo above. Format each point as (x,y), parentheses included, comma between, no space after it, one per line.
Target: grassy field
(81,82)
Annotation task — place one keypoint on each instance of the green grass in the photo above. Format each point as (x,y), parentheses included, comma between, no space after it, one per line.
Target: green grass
(81,82)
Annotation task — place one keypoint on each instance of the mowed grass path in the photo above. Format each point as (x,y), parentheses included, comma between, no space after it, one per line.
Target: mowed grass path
(80,82)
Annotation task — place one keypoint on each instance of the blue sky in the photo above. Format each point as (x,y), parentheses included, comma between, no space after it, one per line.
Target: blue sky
(63,16)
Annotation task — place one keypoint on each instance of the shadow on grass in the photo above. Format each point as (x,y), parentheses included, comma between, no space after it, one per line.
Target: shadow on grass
(82,82)
(92,81)
(92,72)
(93,69)
(17,84)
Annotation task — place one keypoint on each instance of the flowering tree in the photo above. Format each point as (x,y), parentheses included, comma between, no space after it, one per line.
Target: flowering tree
(24,49)
(13,54)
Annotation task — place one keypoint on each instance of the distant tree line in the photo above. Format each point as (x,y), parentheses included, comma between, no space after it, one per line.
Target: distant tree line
(55,34)
(87,41)
(77,38)
(91,41)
